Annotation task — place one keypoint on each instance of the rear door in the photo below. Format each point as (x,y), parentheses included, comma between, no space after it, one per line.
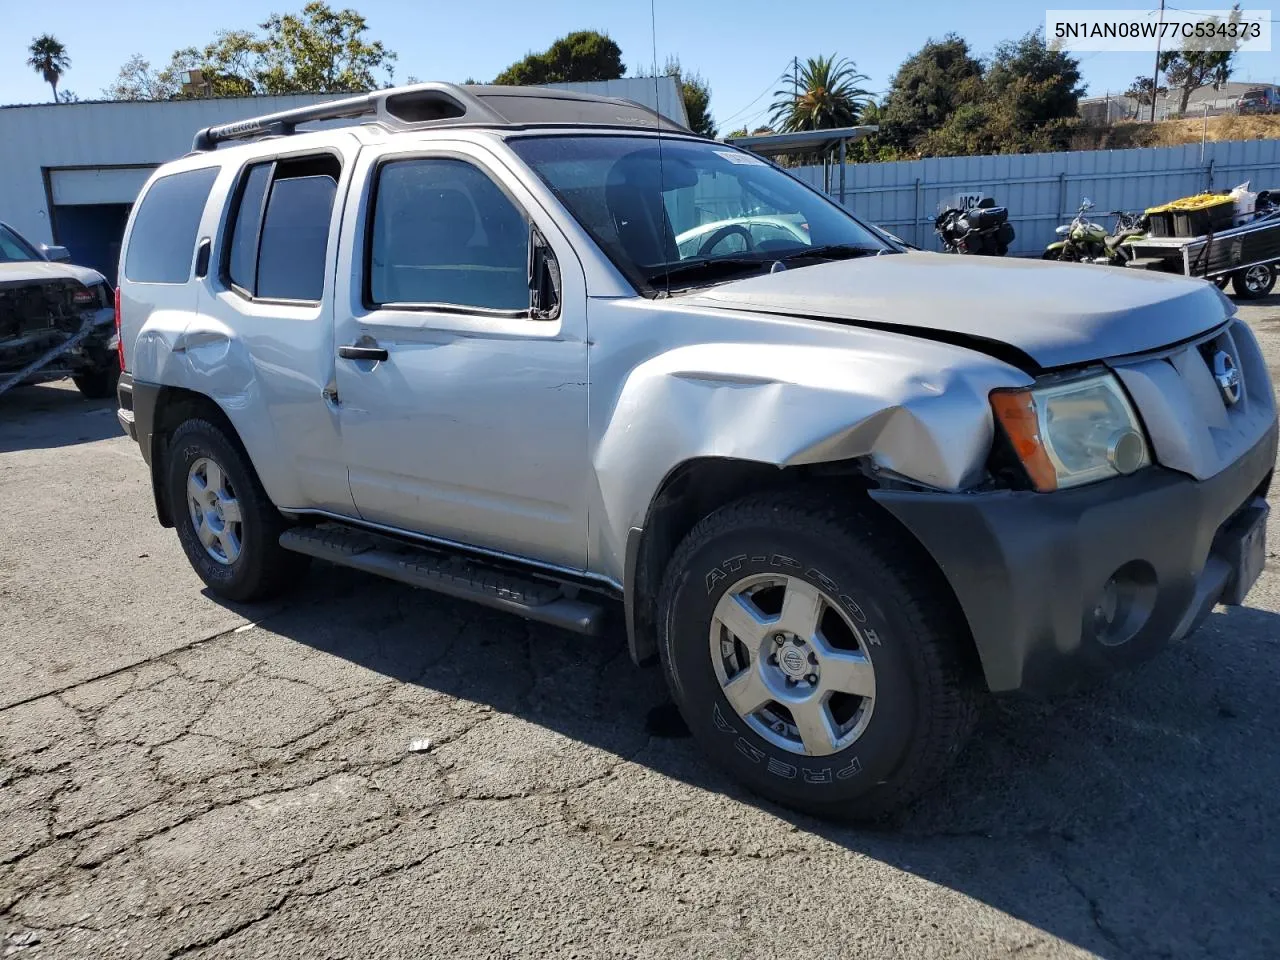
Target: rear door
(262,345)
(466,418)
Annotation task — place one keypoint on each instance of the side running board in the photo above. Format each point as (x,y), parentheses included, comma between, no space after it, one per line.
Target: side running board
(450,574)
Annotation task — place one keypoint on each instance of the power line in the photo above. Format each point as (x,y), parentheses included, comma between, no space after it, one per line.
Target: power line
(764,92)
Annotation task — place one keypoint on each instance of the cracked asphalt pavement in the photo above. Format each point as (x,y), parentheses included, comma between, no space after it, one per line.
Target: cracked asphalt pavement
(181,778)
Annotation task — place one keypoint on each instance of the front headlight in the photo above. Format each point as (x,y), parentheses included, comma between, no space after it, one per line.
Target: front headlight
(1071,432)
(1062,230)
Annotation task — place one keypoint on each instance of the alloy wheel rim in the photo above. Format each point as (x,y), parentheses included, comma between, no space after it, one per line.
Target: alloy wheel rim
(215,511)
(792,664)
(1256,278)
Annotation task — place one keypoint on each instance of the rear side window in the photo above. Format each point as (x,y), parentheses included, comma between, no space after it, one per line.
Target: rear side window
(280,230)
(163,239)
(295,234)
(244,236)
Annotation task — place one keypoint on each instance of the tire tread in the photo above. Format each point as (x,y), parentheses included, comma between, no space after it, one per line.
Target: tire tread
(952,697)
(272,569)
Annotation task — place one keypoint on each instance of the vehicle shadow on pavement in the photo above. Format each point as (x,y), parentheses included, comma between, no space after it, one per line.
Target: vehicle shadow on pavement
(1129,820)
(53,415)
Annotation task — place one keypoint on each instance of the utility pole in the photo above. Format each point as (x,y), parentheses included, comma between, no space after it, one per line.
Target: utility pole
(1155,75)
(795,77)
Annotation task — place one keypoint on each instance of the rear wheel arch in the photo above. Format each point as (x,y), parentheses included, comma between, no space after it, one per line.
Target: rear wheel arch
(174,406)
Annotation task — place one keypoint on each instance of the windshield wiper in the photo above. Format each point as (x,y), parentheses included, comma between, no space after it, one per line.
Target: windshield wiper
(832,251)
(707,268)
(721,268)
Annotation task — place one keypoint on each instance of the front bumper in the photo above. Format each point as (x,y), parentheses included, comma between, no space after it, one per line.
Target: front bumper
(1031,570)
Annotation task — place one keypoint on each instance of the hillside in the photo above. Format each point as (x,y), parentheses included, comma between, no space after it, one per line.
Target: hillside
(1172,133)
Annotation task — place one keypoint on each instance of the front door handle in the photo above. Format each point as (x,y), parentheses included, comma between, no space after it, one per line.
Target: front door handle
(350,351)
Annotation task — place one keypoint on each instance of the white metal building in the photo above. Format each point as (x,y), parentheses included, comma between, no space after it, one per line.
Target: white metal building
(69,172)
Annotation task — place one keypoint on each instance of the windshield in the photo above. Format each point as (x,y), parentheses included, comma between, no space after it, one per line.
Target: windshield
(13,248)
(688,213)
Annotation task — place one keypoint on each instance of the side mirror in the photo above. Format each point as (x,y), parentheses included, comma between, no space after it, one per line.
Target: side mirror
(544,278)
(55,254)
(1086,204)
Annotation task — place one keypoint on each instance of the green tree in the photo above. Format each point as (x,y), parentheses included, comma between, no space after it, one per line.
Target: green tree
(581,56)
(1196,66)
(137,81)
(318,50)
(824,95)
(696,95)
(48,57)
(928,88)
(1141,88)
(1039,84)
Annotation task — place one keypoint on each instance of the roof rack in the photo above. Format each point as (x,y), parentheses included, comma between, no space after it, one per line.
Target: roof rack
(426,105)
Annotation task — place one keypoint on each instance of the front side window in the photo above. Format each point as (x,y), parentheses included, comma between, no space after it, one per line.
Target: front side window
(687,213)
(13,249)
(444,234)
(280,229)
(163,240)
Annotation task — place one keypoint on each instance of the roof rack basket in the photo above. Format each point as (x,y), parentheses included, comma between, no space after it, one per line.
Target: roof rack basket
(446,104)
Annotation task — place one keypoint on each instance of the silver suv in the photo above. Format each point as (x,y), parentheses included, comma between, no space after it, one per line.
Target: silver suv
(840,489)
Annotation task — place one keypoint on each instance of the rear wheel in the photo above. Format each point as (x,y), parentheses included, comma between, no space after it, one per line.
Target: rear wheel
(1253,283)
(815,655)
(228,528)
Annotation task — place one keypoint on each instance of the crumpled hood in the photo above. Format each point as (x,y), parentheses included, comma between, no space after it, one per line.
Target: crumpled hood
(1058,314)
(27,271)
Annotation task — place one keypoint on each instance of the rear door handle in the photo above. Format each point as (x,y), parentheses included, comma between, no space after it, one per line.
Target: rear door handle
(349,351)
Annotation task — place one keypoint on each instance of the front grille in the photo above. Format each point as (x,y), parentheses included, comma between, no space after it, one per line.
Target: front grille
(1204,404)
(34,308)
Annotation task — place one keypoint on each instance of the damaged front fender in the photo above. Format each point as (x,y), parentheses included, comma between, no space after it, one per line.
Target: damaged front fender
(914,409)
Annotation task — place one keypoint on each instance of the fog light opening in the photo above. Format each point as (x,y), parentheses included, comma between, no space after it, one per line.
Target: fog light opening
(1124,604)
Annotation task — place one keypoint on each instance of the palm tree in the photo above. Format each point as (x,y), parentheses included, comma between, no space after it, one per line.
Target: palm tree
(824,95)
(49,59)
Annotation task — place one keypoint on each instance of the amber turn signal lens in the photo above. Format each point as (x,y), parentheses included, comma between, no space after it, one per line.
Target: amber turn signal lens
(1016,412)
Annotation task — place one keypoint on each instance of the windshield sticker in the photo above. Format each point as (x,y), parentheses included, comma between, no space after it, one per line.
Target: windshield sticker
(733,156)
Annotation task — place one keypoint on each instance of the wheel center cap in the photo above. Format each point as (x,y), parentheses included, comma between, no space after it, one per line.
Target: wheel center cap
(793,662)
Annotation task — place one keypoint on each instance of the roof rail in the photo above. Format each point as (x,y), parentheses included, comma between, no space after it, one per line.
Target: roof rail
(447,104)
(396,107)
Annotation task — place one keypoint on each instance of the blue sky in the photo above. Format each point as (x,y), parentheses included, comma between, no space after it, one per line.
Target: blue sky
(740,47)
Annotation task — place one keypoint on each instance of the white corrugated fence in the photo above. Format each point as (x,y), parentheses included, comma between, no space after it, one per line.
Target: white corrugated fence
(1043,190)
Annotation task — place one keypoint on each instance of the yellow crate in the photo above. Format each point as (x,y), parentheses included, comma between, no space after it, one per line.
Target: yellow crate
(1201,201)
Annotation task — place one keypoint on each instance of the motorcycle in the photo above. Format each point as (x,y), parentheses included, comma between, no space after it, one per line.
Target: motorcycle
(1085,241)
(983,230)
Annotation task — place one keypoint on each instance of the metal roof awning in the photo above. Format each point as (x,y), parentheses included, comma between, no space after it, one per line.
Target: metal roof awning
(774,144)
(799,141)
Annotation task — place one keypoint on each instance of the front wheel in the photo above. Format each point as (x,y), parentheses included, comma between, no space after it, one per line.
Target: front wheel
(1063,254)
(98,383)
(815,656)
(228,528)
(1253,283)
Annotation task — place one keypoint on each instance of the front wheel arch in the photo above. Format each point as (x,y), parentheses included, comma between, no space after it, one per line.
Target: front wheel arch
(694,489)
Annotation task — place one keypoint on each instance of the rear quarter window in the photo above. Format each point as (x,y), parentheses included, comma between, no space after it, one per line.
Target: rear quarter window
(162,242)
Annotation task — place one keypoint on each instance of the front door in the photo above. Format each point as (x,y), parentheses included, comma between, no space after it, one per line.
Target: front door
(463,416)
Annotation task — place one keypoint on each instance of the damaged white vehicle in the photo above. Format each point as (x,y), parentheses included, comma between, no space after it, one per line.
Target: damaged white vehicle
(841,491)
